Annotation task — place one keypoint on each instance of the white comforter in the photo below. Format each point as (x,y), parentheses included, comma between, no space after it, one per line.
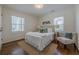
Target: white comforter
(39,40)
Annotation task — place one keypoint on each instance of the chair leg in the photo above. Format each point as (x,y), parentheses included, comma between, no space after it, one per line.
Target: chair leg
(65,46)
(74,46)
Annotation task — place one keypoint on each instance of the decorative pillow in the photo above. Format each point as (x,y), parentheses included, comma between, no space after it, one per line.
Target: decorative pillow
(68,35)
(62,34)
(43,30)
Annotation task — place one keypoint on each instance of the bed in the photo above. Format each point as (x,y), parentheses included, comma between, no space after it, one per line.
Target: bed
(38,40)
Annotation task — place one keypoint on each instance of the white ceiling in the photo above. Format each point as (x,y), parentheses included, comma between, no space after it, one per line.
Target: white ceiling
(29,8)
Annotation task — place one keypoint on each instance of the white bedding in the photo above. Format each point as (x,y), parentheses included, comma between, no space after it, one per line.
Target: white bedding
(39,40)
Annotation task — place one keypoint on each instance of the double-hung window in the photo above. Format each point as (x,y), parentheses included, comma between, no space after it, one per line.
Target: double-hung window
(17,24)
(59,24)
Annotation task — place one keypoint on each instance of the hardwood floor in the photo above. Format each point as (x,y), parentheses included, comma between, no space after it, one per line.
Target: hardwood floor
(14,49)
(49,50)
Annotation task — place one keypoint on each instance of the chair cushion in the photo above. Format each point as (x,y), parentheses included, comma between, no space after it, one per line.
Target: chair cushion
(68,35)
(64,40)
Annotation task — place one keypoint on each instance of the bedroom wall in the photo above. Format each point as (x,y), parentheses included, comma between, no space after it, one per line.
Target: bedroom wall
(0,16)
(31,24)
(77,25)
(69,18)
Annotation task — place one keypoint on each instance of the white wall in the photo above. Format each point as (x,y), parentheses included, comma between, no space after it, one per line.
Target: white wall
(77,25)
(0,27)
(31,24)
(69,18)
(0,16)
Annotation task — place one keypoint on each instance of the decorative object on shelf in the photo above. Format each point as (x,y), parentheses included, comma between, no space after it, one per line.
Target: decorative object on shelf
(45,22)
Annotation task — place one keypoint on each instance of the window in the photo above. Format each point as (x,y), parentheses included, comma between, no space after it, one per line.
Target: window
(17,23)
(59,24)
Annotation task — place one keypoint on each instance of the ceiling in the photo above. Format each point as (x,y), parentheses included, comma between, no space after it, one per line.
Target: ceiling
(29,8)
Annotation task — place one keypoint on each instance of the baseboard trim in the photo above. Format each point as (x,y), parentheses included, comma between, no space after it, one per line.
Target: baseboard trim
(13,41)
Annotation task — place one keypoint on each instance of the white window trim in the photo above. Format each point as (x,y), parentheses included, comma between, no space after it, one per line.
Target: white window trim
(61,24)
(22,24)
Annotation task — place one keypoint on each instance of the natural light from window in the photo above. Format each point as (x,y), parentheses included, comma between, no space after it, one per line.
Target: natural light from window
(17,23)
(59,24)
